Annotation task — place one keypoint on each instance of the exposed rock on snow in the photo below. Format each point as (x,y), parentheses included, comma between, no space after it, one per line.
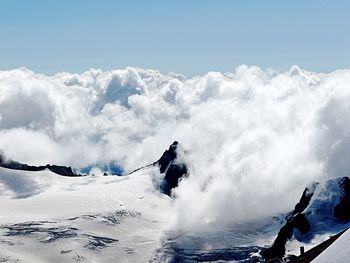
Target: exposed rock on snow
(173,168)
(323,208)
(11,164)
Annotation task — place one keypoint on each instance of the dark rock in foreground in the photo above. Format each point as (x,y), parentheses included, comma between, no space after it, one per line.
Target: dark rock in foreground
(323,208)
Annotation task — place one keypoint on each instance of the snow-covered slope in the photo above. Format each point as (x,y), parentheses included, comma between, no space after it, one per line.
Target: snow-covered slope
(46,217)
(49,218)
(338,252)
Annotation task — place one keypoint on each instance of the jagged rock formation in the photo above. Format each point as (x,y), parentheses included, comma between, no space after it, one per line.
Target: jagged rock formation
(322,208)
(11,164)
(168,157)
(172,168)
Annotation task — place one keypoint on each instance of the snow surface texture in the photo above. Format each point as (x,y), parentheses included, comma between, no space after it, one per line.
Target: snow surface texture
(49,218)
(338,252)
(254,138)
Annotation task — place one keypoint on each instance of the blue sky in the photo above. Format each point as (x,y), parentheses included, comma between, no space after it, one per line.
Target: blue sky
(189,37)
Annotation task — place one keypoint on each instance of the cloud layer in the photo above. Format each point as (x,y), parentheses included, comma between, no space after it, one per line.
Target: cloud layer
(253,138)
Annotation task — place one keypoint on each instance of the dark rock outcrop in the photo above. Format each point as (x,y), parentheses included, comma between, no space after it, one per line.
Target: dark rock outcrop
(326,211)
(11,164)
(168,157)
(61,170)
(294,220)
(342,209)
(305,199)
(173,168)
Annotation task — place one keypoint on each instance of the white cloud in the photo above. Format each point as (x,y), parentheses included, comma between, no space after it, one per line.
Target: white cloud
(254,138)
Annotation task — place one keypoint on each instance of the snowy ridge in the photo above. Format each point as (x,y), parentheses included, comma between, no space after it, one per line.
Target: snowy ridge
(82,219)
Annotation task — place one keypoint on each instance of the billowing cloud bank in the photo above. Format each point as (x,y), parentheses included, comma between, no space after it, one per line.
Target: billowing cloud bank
(254,138)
